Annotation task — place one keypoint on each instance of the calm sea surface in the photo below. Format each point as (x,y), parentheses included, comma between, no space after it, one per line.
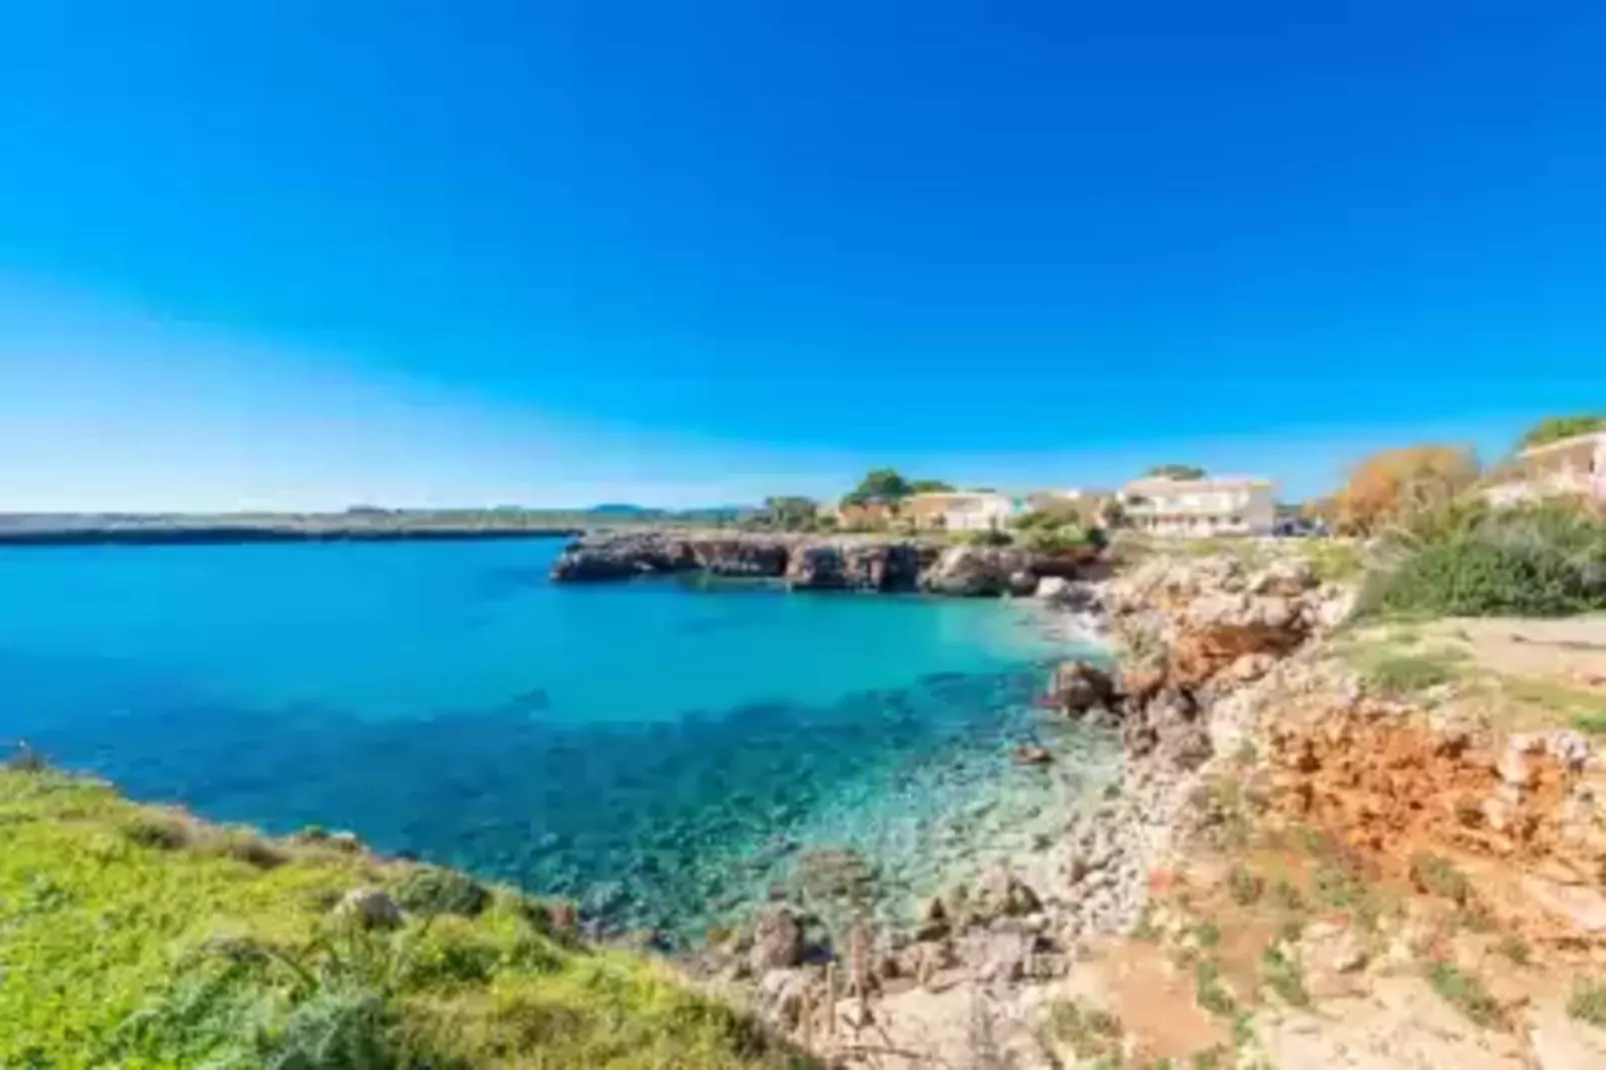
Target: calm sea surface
(662,751)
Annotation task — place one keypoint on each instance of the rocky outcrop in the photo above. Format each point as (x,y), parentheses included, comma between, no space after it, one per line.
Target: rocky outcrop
(821,562)
(854,565)
(741,556)
(974,571)
(615,557)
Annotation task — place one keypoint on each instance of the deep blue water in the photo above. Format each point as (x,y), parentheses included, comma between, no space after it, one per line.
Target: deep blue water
(659,750)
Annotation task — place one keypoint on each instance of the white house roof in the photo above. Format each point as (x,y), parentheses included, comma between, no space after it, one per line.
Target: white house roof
(1571,442)
(1154,484)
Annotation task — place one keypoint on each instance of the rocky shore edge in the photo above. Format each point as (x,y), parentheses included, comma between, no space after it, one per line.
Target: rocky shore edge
(1195,636)
(825,562)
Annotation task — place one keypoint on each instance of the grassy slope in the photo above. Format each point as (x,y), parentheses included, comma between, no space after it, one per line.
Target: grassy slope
(135,937)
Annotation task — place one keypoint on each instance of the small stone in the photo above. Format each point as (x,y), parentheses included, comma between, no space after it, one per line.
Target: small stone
(934,922)
(1031,754)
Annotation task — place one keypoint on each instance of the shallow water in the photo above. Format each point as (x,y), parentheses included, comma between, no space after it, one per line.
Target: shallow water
(662,751)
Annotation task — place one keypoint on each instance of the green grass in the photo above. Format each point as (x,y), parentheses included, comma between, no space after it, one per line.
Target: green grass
(1335,561)
(1465,993)
(1585,709)
(1588,1003)
(139,938)
(1406,673)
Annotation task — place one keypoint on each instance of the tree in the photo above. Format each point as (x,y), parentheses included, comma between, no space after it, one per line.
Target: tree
(789,512)
(930,486)
(881,484)
(1176,471)
(1396,486)
(1556,428)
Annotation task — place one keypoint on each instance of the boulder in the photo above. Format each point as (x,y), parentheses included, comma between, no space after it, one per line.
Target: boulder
(974,571)
(934,923)
(1054,589)
(1000,894)
(369,908)
(777,942)
(1079,686)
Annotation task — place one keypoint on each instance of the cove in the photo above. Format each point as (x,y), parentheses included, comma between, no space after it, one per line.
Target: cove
(664,752)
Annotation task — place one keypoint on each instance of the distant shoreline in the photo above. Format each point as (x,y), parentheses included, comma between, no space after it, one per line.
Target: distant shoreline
(225,536)
(44,530)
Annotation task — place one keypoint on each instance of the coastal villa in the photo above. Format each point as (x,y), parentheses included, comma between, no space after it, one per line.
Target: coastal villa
(962,510)
(1575,465)
(1200,507)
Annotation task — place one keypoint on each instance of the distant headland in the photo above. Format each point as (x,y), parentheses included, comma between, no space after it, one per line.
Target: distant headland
(360,523)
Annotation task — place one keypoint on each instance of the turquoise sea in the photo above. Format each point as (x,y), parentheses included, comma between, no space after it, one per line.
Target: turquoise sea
(664,751)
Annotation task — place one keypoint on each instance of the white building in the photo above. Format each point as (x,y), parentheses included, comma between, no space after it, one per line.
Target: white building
(1575,465)
(962,510)
(1200,507)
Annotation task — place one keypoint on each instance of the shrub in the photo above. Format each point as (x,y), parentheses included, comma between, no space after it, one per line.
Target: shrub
(1464,992)
(1588,1003)
(148,831)
(1516,949)
(1208,990)
(1284,977)
(1540,560)
(1436,875)
(432,890)
(990,537)
(1244,886)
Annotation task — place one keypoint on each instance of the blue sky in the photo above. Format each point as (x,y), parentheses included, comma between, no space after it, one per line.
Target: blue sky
(299,254)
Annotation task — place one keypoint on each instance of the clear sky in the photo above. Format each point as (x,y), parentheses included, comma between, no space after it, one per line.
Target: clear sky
(303,254)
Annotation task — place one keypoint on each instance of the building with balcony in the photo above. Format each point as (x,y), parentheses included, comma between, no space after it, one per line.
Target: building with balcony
(1568,466)
(962,510)
(1199,508)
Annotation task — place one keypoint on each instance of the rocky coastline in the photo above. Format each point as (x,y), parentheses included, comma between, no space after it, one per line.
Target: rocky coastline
(1194,638)
(821,562)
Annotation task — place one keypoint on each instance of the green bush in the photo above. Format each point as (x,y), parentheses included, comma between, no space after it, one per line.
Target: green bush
(1464,992)
(1540,560)
(990,537)
(1588,1003)
(432,890)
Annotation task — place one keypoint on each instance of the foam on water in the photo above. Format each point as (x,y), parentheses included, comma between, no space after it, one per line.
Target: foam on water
(662,751)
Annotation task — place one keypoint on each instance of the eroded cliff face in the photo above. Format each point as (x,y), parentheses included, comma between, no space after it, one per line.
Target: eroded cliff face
(816,562)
